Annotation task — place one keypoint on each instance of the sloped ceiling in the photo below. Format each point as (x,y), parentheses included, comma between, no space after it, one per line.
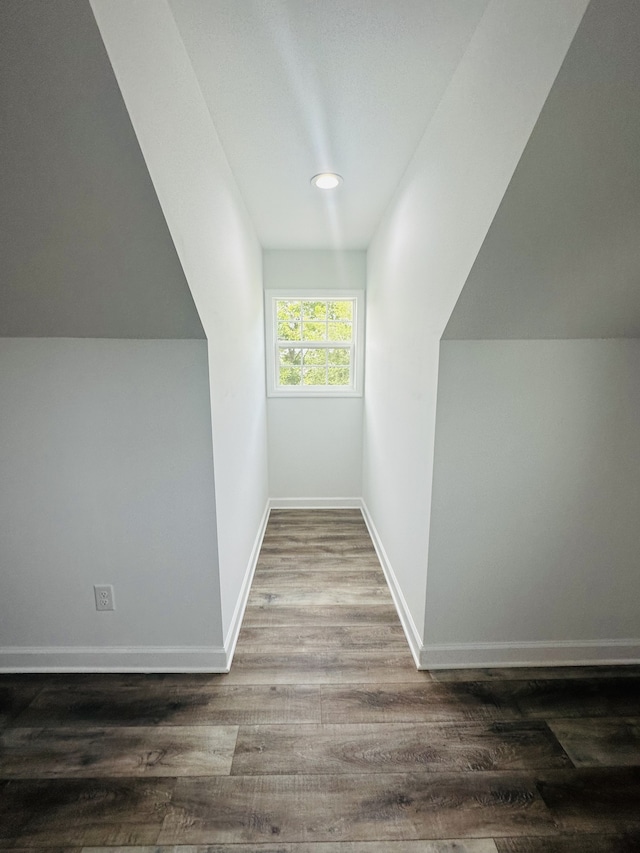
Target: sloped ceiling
(84,247)
(297,87)
(562,256)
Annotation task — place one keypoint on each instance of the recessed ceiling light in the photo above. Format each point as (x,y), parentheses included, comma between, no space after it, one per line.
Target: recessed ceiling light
(326,181)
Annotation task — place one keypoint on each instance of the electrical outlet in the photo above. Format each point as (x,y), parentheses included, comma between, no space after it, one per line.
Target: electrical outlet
(104,597)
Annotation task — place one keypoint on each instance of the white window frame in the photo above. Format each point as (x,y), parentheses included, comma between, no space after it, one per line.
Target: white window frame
(271,340)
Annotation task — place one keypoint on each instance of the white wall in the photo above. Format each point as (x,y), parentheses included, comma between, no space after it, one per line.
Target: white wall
(315,445)
(106,471)
(423,251)
(221,258)
(534,528)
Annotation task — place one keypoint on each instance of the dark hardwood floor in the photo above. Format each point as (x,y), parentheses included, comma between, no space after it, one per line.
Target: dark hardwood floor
(323,737)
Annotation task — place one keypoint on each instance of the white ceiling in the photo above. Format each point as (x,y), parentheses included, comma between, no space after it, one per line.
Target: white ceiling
(297,87)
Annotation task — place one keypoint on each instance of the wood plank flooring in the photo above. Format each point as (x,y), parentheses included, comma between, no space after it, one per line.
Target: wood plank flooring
(323,738)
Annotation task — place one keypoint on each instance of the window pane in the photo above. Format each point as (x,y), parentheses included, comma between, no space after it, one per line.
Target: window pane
(339,376)
(290,356)
(340,331)
(342,310)
(288,310)
(289,331)
(290,375)
(315,332)
(315,356)
(313,338)
(315,376)
(339,356)
(314,310)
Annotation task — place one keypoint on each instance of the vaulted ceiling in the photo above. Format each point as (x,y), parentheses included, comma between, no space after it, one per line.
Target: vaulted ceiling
(562,256)
(295,87)
(84,247)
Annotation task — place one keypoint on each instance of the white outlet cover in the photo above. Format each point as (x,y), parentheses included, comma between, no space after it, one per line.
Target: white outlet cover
(104,597)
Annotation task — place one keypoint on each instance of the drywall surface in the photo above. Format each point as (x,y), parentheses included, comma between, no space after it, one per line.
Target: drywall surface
(315,445)
(314,269)
(423,251)
(315,448)
(107,478)
(85,249)
(562,257)
(536,493)
(220,255)
(302,87)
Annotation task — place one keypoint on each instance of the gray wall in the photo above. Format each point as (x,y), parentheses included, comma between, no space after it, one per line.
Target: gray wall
(85,249)
(222,260)
(107,477)
(562,256)
(536,500)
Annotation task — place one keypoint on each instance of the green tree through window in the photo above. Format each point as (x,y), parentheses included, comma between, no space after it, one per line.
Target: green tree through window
(315,342)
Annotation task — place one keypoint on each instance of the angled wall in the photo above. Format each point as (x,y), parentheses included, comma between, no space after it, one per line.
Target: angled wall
(421,256)
(105,425)
(536,495)
(562,256)
(85,249)
(222,261)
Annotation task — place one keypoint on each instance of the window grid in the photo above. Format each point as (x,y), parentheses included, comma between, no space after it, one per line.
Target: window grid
(327,332)
(314,338)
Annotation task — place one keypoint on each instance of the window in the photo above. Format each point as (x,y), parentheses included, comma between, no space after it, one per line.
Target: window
(314,343)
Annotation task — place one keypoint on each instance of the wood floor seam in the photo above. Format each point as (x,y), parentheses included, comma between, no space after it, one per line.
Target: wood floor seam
(323,737)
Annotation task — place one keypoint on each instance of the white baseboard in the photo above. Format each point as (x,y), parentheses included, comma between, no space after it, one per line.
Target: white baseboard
(483,655)
(214,659)
(564,653)
(113,659)
(315,503)
(406,619)
(238,614)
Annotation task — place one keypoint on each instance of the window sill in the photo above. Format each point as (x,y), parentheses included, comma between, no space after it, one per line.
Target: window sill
(313,394)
